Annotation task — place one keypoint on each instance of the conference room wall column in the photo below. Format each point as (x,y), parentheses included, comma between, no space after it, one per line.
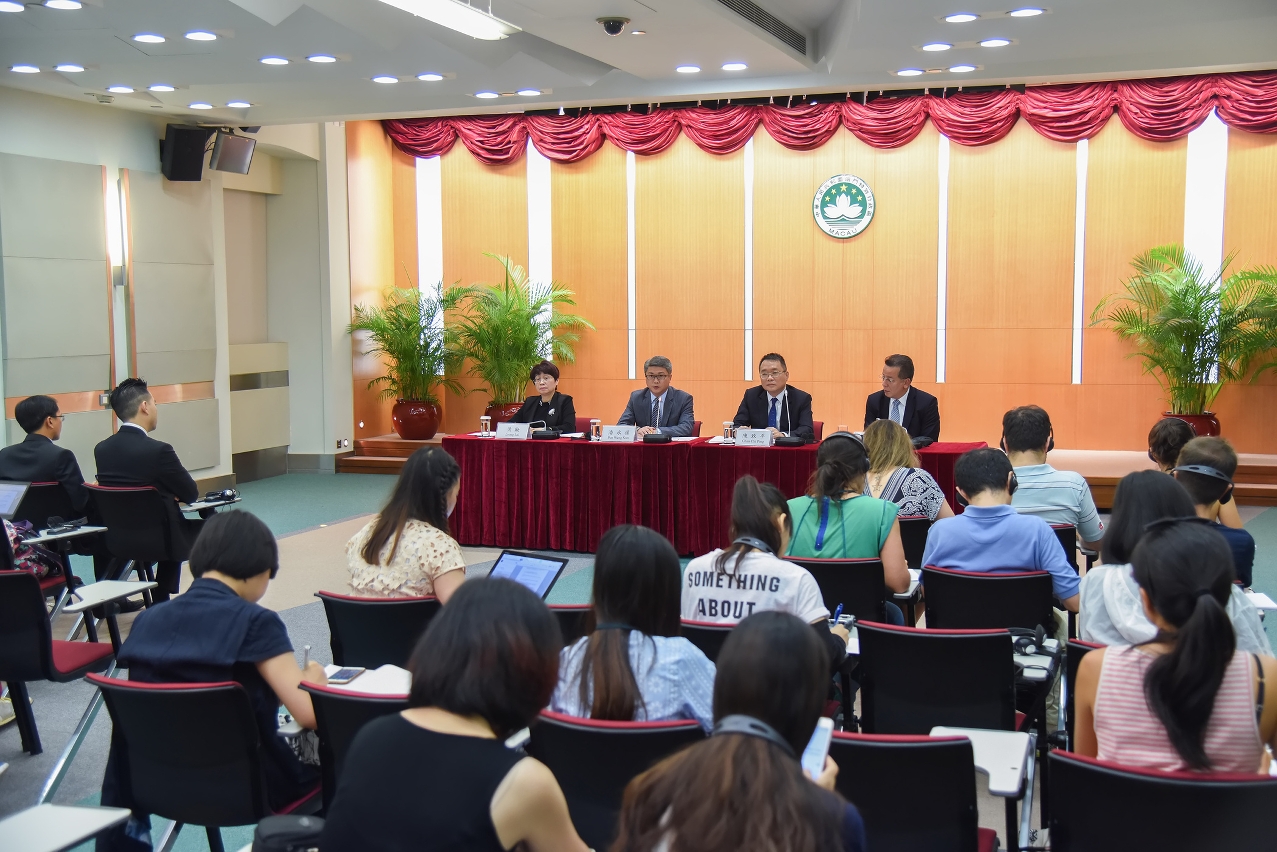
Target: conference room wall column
(1079,257)
(942,259)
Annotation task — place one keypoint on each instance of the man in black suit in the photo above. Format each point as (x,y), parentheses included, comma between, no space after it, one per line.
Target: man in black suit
(914,409)
(659,407)
(775,404)
(131,458)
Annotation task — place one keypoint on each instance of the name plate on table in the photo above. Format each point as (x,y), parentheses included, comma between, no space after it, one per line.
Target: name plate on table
(618,434)
(753,437)
(514,431)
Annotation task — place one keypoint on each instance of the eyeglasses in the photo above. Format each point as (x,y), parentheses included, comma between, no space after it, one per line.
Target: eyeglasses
(889,380)
(657,377)
(771,375)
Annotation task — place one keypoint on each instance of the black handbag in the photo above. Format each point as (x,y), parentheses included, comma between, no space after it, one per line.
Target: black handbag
(288,833)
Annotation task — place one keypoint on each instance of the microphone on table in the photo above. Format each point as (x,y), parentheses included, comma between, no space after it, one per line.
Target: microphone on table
(535,422)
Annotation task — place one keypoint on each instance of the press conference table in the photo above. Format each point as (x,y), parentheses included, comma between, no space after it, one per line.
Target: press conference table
(564,494)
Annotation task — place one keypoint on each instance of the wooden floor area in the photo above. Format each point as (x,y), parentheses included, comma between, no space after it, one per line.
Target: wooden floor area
(382,454)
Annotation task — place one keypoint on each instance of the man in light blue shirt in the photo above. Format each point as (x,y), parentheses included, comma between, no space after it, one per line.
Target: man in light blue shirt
(990,536)
(1055,496)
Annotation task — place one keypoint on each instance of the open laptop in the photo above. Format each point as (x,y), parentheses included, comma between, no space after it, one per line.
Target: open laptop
(534,570)
(11,494)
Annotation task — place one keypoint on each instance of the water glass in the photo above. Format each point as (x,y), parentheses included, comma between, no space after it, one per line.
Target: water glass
(485,426)
(596,429)
(727,430)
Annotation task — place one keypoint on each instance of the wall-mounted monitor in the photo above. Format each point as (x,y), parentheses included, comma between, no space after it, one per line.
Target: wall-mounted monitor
(232,153)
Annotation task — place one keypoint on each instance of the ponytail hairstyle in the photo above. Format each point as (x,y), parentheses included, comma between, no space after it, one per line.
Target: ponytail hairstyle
(421,494)
(1186,569)
(841,462)
(637,586)
(755,506)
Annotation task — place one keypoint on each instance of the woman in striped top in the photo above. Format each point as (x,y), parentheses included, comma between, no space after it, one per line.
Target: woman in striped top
(1186,699)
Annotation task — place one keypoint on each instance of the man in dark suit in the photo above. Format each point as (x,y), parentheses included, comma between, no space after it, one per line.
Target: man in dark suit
(775,404)
(659,407)
(899,401)
(131,458)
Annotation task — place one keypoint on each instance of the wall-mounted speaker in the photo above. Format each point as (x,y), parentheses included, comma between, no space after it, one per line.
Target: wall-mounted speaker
(182,151)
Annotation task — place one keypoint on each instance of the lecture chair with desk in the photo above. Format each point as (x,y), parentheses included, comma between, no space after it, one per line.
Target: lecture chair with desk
(339,714)
(706,635)
(372,632)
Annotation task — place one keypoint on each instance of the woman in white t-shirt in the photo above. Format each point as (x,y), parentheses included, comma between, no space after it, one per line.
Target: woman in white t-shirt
(727,586)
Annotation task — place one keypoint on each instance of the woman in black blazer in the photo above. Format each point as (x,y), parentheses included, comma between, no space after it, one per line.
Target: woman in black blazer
(551,406)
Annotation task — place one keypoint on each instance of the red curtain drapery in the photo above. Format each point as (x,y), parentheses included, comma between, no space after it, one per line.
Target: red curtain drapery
(1157,110)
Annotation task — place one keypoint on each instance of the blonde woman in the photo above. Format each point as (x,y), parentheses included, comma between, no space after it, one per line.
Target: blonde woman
(895,474)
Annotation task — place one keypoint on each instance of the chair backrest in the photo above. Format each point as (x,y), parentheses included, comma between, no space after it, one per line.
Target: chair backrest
(708,637)
(371,632)
(914,793)
(913,535)
(138,523)
(914,679)
(818,430)
(192,750)
(45,500)
(572,620)
(857,584)
(339,714)
(1100,807)
(1072,659)
(1067,534)
(594,760)
(26,643)
(696,428)
(583,424)
(972,600)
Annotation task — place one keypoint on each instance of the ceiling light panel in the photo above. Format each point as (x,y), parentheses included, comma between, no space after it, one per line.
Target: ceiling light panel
(201,105)
(936,46)
(995,42)
(26,69)
(385,78)
(1026,12)
(961,17)
(161,87)
(201,35)
(69,68)
(321,58)
(274,60)
(120,90)
(64,5)
(11,6)
(238,104)
(457,16)
(486,95)
(734,66)
(149,38)
(688,69)
(909,72)
(430,77)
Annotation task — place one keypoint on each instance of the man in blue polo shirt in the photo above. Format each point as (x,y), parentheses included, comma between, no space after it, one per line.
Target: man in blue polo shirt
(991,536)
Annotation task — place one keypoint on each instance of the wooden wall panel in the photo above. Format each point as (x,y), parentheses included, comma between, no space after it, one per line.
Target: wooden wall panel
(485,209)
(403,182)
(690,272)
(1010,274)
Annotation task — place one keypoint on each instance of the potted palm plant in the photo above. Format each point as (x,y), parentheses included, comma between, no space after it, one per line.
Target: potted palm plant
(1195,331)
(503,330)
(408,331)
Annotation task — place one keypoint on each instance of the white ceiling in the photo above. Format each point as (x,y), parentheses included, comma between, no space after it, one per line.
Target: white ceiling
(854,45)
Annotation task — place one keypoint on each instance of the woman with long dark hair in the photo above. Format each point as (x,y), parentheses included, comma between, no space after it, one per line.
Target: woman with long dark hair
(1111,611)
(743,788)
(635,666)
(407,551)
(1188,699)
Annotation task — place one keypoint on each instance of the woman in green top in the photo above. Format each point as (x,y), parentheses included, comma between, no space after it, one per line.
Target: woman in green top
(837,520)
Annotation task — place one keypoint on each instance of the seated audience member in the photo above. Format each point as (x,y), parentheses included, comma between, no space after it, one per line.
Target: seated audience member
(217,632)
(132,459)
(407,551)
(439,775)
(1205,468)
(659,408)
(725,586)
(896,475)
(1189,699)
(550,407)
(1112,612)
(1167,437)
(635,666)
(775,404)
(991,536)
(1055,496)
(743,788)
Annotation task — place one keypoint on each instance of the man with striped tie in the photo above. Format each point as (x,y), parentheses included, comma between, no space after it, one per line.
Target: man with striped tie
(900,402)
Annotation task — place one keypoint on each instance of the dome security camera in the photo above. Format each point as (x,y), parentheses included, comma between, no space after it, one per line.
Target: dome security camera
(614,26)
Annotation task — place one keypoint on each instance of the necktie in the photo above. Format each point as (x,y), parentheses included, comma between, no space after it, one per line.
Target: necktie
(771,415)
(895,411)
(656,412)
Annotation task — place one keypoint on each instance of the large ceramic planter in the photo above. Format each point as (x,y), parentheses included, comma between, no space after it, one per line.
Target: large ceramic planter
(503,412)
(415,421)
(1203,424)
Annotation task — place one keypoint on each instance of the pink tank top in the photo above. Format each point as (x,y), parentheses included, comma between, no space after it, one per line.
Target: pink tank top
(1127,731)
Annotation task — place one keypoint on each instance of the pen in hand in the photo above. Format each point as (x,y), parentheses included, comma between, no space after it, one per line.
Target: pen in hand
(837,614)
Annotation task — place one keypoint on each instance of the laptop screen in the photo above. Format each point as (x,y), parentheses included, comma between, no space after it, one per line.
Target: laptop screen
(11,494)
(536,572)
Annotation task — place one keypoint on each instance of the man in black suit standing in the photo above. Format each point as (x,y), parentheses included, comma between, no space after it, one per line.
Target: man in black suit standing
(131,458)
(775,404)
(659,407)
(899,401)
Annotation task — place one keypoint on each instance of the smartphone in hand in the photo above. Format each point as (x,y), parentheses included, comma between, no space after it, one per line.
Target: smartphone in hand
(817,749)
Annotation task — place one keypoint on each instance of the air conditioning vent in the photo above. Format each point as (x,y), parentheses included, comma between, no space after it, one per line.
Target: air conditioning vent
(765,20)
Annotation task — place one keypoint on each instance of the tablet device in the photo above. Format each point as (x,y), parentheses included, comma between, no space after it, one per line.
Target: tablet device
(534,570)
(11,494)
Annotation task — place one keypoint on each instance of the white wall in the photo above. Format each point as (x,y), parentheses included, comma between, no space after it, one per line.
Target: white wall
(246,302)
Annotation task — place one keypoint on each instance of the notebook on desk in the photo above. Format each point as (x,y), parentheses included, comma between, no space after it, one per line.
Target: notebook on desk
(386,680)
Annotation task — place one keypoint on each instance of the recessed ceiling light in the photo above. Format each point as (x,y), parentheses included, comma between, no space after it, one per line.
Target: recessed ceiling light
(26,69)
(149,38)
(529,93)
(200,105)
(458,16)
(67,5)
(688,69)
(1027,12)
(385,78)
(161,87)
(68,68)
(486,95)
(201,35)
(321,58)
(430,77)
(995,42)
(638,32)
(961,69)
(120,90)
(909,72)
(937,46)
(961,17)
(238,104)
(11,6)
(274,60)
(734,66)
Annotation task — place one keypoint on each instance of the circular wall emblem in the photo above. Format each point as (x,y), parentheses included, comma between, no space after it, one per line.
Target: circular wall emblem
(843,206)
